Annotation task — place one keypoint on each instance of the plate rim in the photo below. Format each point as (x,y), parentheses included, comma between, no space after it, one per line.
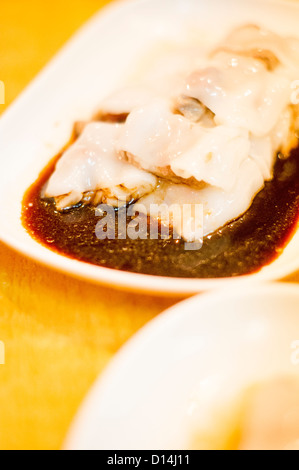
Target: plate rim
(148,332)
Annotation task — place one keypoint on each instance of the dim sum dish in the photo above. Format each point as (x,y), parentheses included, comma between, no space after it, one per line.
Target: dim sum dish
(180,164)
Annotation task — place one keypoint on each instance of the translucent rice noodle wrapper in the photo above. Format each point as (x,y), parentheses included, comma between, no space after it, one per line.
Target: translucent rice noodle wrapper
(241,92)
(127,99)
(218,206)
(253,38)
(91,165)
(159,141)
(203,127)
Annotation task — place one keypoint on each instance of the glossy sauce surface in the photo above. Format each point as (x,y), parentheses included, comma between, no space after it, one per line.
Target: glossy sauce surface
(241,247)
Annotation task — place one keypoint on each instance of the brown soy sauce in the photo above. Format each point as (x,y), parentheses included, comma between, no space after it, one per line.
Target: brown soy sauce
(242,247)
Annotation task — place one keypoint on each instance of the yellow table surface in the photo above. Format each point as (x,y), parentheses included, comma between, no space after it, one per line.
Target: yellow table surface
(59,333)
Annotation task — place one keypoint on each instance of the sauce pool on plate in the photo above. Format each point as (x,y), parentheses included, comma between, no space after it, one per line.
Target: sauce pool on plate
(242,247)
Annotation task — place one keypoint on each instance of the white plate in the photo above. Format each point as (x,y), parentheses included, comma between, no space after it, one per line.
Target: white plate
(227,340)
(97,61)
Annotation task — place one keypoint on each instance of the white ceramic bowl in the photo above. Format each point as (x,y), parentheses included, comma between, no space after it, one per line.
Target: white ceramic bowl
(95,62)
(226,340)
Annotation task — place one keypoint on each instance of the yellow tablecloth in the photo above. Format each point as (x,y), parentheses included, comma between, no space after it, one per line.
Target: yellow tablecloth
(59,333)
